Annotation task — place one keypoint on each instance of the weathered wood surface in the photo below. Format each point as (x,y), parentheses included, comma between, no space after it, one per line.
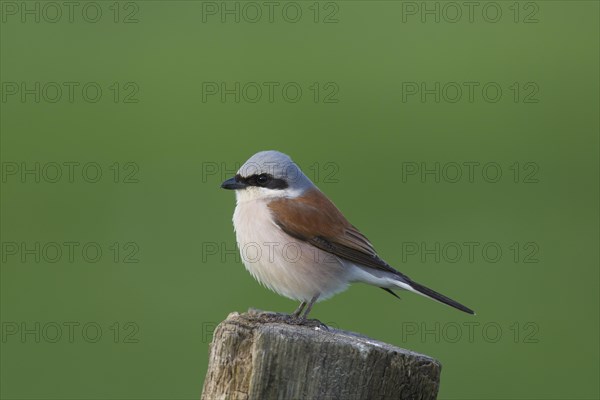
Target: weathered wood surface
(264,356)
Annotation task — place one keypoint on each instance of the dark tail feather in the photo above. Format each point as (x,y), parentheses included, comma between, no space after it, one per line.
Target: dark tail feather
(440,297)
(392,293)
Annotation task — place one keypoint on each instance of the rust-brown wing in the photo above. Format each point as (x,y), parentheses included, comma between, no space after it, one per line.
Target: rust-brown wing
(313,218)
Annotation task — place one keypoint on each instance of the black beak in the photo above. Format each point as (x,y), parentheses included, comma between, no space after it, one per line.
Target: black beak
(233,184)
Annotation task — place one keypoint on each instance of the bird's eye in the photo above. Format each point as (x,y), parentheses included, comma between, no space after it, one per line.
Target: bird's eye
(262,179)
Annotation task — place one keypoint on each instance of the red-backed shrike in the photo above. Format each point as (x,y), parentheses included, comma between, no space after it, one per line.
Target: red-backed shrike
(302,246)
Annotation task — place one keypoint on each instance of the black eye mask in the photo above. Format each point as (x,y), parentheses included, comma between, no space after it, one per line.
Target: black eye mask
(263,180)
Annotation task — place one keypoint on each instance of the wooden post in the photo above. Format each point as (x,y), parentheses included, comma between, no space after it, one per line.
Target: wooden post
(263,356)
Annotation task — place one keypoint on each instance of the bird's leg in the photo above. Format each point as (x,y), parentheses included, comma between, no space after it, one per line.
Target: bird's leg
(310,305)
(296,313)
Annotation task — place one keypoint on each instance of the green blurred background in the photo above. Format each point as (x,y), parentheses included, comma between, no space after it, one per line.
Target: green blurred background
(163,145)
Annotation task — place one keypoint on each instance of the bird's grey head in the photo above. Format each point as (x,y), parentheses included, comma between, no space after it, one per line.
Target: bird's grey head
(268,174)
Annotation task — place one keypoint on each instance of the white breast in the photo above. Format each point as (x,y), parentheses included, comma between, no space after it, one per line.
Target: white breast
(290,267)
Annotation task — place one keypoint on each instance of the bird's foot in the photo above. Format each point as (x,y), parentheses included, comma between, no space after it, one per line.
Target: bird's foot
(303,321)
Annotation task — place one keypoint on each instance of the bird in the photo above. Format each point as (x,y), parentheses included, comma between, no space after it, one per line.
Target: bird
(297,243)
